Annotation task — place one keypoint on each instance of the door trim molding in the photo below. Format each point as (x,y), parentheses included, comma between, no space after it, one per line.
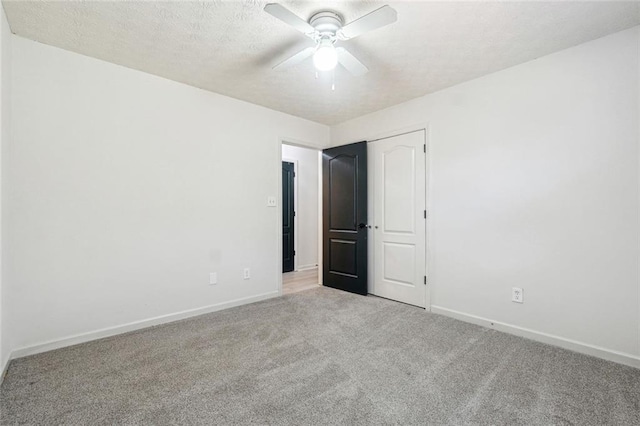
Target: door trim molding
(400,131)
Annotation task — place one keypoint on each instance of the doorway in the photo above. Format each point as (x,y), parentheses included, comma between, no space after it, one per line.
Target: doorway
(396,225)
(300,218)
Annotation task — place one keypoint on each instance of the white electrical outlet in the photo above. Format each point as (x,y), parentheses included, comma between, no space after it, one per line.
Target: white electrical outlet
(517,295)
(271,201)
(247,273)
(213,278)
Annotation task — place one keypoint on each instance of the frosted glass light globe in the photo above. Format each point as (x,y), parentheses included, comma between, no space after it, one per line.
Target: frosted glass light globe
(325,58)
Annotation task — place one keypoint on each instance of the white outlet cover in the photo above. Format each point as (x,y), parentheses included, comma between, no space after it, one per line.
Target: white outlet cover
(247,273)
(271,201)
(213,278)
(517,295)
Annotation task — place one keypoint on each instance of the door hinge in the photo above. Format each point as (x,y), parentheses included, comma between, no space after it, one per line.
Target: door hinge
(425,214)
(294,214)
(425,280)
(424,148)
(294,252)
(294,174)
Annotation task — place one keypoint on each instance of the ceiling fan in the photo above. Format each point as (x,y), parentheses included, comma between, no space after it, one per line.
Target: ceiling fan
(325,29)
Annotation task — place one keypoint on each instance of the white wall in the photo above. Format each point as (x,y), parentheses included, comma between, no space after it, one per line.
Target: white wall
(127,190)
(534,183)
(306,231)
(5,134)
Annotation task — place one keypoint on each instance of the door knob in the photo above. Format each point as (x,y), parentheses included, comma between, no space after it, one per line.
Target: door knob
(362,226)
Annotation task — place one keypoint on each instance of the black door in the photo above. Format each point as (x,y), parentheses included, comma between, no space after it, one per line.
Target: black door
(287,217)
(344,194)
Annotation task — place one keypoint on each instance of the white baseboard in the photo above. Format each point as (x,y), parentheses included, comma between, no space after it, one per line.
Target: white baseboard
(4,368)
(572,345)
(132,326)
(306,267)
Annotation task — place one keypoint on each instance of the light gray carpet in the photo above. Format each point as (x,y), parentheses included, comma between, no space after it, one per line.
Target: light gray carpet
(318,357)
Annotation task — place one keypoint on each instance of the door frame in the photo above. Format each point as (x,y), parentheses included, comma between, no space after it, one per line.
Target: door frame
(295,208)
(283,140)
(429,244)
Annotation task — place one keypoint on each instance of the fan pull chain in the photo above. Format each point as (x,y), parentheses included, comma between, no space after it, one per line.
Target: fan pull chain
(333,80)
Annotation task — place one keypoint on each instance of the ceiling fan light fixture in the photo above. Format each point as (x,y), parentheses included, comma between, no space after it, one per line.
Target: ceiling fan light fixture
(326,57)
(325,28)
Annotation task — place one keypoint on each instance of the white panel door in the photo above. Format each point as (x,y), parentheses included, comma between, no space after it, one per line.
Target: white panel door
(399,224)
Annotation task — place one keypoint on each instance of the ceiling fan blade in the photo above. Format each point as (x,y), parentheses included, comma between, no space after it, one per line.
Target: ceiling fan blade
(288,17)
(350,62)
(296,59)
(378,18)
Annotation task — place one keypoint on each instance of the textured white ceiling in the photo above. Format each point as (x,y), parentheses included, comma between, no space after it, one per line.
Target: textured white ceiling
(229,47)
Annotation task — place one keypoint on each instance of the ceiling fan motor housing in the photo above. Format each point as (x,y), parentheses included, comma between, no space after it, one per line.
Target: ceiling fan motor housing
(326,23)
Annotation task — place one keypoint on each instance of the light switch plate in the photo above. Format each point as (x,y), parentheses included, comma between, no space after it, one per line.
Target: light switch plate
(271,201)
